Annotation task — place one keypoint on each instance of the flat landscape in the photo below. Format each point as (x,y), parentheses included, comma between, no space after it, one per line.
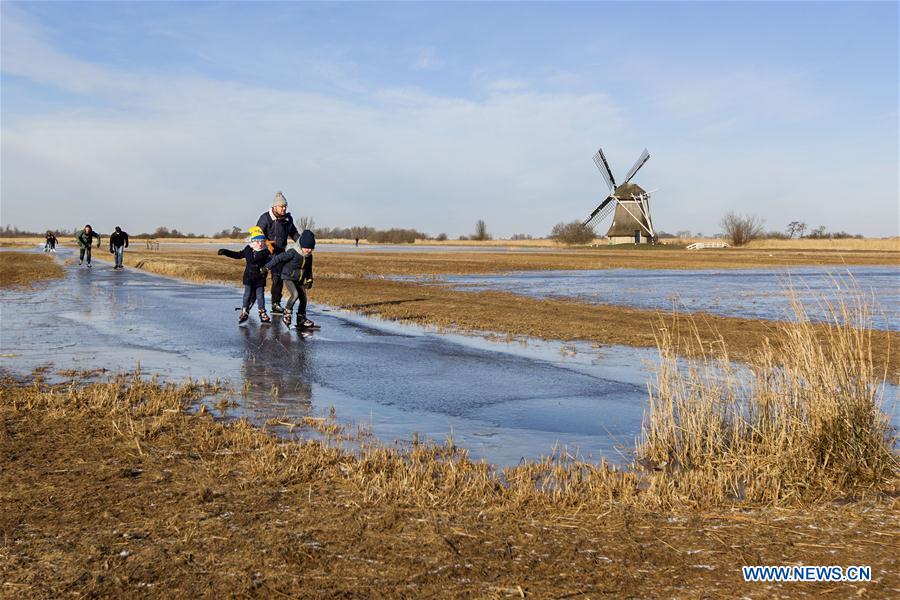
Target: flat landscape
(250,467)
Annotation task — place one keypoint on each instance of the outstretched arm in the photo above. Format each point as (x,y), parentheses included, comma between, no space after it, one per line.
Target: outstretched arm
(230,253)
(277,260)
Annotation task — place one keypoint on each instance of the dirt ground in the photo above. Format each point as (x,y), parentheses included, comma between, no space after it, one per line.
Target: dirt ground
(350,282)
(118,491)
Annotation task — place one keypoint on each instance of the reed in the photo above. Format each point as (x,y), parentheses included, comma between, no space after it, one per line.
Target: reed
(803,420)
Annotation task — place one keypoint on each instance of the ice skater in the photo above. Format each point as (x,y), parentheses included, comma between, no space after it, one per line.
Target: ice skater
(84,239)
(257,255)
(295,266)
(118,241)
(277,225)
(50,242)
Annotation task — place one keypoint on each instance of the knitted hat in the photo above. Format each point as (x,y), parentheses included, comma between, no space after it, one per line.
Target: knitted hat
(258,238)
(256,230)
(307,239)
(279,200)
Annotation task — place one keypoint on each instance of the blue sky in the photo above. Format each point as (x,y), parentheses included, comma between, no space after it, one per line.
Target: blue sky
(435,115)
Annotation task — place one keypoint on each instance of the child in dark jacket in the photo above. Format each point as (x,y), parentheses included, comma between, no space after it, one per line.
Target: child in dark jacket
(295,266)
(257,255)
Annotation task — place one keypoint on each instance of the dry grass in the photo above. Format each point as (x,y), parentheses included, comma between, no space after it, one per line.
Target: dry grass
(802,422)
(27,269)
(119,488)
(853,244)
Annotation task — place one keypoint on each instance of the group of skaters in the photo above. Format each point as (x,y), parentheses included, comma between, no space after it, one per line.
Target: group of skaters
(118,241)
(268,250)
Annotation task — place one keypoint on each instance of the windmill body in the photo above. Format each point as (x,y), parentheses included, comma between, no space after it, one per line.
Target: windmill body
(629,204)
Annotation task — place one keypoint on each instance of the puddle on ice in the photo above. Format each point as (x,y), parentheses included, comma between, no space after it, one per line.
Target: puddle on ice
(748,293)
(502,400)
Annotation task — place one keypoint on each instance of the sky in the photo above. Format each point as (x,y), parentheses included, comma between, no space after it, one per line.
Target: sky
(435,115)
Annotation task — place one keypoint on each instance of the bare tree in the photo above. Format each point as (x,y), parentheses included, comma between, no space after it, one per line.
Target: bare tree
(796,228)
(741,229)
(481,232)
(575,232)
(306,223)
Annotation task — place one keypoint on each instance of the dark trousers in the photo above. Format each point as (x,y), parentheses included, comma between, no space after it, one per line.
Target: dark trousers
(257,292)
(297,293)
(82,252)
(277,287)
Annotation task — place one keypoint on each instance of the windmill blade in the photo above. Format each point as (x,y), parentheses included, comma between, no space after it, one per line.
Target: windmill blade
(601,211)
(644,157)
(601,163)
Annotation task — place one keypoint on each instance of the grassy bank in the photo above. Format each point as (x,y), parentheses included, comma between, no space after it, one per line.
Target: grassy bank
(27,269)
(341,281)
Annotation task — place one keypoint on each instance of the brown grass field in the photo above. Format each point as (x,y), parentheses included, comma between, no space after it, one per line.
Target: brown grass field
(118,489)
(351,281)
(27,269)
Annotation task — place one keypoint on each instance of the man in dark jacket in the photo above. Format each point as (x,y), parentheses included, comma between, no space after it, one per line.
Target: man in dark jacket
(257,255)
(277,225)
(84,238)
(118,241)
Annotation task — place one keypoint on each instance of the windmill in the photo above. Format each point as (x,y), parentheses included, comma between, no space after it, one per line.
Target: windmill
(631,221)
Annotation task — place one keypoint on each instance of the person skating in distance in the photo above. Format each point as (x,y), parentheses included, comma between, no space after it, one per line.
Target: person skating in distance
(84,239)
(257,255)
(295,266)
(118,241)
(277,225)
(50,243)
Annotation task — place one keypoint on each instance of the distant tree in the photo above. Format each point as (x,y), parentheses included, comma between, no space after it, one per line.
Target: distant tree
(796,228)
(685,233)
(306,223)
(441,237)
(481,233)
(463,238)
(575,232)
(818,233)
(742,229)
(521,236)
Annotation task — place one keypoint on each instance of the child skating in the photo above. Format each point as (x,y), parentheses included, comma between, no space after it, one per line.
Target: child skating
(295,267)
(257,255)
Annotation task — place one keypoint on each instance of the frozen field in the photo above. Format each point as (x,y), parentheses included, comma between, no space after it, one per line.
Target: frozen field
(748,293)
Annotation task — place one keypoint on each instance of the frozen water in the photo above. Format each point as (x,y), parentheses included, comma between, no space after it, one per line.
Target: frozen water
(504,401)
(748,293)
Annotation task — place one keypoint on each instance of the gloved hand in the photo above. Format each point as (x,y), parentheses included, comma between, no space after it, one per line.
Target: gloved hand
(111,251)
(221,251)
(263,271)
(308,284)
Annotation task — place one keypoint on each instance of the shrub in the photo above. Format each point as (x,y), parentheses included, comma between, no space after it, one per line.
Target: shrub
(742,229)
(481,233)
(575,232)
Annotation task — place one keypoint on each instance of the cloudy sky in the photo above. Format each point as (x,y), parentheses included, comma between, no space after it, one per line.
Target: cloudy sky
(432,115)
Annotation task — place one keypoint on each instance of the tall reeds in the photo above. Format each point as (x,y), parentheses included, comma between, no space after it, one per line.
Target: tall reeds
(804,419)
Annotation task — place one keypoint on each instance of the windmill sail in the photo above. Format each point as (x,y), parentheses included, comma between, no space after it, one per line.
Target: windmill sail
(643,158)
(601,211)
(601,163)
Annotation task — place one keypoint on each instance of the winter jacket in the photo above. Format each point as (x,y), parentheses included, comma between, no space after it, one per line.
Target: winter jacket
(294,266)
(84,239)
(277,230)
(117,240)
(255,260)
